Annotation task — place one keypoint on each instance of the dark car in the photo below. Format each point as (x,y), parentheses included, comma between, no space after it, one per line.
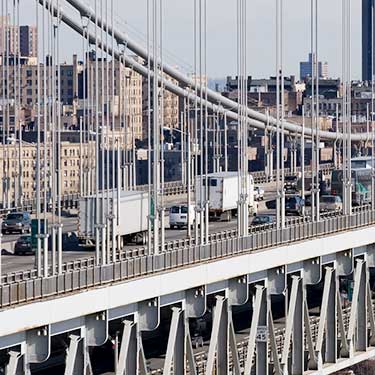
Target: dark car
(290,184)
(263,220)
(271,205)
(294,205)
(16,222)
(308,199)
(23,246)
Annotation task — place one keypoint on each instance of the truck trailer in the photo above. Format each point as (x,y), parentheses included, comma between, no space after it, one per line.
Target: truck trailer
(223,195)
(133,212)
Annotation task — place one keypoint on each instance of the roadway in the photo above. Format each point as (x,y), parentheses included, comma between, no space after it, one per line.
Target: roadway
(12,263)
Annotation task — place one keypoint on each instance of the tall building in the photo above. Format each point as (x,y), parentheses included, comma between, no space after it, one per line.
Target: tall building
(367,39)
(14,40)
(11,162)
(29,75)
(171,107)
(28,41)
(124,99)
(306,68)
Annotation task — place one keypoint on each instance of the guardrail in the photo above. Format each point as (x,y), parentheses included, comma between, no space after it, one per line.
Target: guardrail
(75,265)
(91,276)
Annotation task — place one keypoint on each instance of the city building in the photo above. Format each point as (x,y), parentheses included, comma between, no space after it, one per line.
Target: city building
(261,85)
(330,102)
(306,69)
(22,40)
(367,39)
(328,88)
(11,161)
(171,105)
(123,100)
(262,93)
(29,81)
(28,41)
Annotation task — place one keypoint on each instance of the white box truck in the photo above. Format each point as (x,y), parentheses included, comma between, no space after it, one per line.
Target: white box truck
(223,195)
(132,222)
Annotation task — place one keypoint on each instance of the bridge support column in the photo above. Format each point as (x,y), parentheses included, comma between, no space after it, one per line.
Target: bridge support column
(176,344)
(327,333)
(361,318)
(276,285)
(131,359)
(331,332)
(357,331)
(219,340)
(294,323)
(128,357)
(371,315)
(75,358)
(195,307)
(298,352)
(16,364)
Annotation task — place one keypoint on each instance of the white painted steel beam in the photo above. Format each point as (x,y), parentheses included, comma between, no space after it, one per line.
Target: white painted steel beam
(218,349)
(12,367)
(128,356)
(174,347)
(74,360)
(257,304)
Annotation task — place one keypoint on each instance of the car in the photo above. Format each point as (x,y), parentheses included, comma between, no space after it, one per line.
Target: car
(263,220)
(258,193)
(178,216)
(23,246)
(16,222)
(294,205)
(308,199)
(271,205)
(330,203)
(197,341)
(290,184)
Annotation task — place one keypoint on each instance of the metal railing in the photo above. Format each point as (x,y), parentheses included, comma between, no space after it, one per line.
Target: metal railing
(90,276)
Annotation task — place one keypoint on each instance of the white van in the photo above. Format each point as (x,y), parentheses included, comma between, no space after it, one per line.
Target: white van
(178,216)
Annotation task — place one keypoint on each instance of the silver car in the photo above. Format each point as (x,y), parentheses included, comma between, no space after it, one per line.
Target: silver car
(19,222)
(329,203)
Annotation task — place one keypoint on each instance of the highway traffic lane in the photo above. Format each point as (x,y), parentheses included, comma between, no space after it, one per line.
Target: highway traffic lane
(12,263)
(24,263)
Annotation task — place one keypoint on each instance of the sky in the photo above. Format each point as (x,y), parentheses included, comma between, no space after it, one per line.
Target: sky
(221,33)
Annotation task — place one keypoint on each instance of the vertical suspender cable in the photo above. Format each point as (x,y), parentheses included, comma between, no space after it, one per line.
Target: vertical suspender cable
(372,112)
(58,152)
(204,80)
(45,130)
(53,155)
(97,140)
(161,130)
(38,174)
(278,188)
(102,139)
(196,172)
(282,146)
(149,134)
(317,113)
(115,188)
